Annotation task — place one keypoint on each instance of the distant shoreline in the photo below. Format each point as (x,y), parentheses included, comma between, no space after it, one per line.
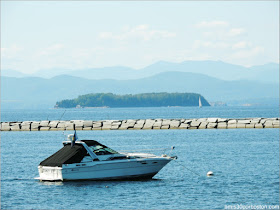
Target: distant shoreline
(97,107)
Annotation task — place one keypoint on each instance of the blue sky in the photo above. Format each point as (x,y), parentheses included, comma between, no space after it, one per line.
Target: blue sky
(76,35)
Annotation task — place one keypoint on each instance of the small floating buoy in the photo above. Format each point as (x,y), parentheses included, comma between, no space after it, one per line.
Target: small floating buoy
(210,173)
(107,186)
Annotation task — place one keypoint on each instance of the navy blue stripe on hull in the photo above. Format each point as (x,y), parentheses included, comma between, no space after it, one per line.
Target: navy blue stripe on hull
(133,177)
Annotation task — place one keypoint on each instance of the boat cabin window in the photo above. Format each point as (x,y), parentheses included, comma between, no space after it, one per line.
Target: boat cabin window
(102,150)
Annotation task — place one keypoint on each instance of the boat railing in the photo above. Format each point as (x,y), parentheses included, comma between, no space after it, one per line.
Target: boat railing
(148,152)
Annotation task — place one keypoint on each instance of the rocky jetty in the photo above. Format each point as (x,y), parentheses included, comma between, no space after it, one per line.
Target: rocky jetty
(147,124)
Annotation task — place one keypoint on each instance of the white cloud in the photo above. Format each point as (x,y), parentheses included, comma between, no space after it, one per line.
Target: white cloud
(9,52)
(105,35)
(236,31)
(55,47)
(51,49)
(211,24)
(248,53)
(240,45)
(210,44)
(142,32)
(219,30)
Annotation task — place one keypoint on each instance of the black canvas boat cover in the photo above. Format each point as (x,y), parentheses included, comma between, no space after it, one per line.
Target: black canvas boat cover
(92,143)
(66,155)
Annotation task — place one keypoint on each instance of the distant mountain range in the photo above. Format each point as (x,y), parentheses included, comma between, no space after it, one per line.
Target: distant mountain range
(268,73)
(36,92)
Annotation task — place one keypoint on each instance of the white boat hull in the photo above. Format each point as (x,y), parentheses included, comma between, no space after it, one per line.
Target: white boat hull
(105,170)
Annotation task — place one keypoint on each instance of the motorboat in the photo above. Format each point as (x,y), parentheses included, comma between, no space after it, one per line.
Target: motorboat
(91,160)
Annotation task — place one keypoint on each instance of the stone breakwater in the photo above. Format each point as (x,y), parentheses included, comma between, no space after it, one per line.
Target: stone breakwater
(201,123)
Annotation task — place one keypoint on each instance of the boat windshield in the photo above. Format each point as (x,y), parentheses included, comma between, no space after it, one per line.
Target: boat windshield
(102,150)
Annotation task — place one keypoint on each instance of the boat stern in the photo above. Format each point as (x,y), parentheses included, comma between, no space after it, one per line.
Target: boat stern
(50,173)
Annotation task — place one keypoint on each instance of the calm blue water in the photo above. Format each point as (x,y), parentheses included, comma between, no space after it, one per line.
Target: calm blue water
(245,163)
(139,113)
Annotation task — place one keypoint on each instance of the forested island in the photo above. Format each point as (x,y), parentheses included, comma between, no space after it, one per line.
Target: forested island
(133,100)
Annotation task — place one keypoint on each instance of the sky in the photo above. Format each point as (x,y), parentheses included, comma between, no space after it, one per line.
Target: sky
(42,35)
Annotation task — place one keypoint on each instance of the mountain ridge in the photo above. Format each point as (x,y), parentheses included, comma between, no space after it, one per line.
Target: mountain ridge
(33,92)
(267,73)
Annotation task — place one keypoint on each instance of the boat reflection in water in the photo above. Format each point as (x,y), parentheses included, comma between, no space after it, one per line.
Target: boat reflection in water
(91,160)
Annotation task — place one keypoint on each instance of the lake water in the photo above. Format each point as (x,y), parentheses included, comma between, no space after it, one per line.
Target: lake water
(139,113)
(245,163)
